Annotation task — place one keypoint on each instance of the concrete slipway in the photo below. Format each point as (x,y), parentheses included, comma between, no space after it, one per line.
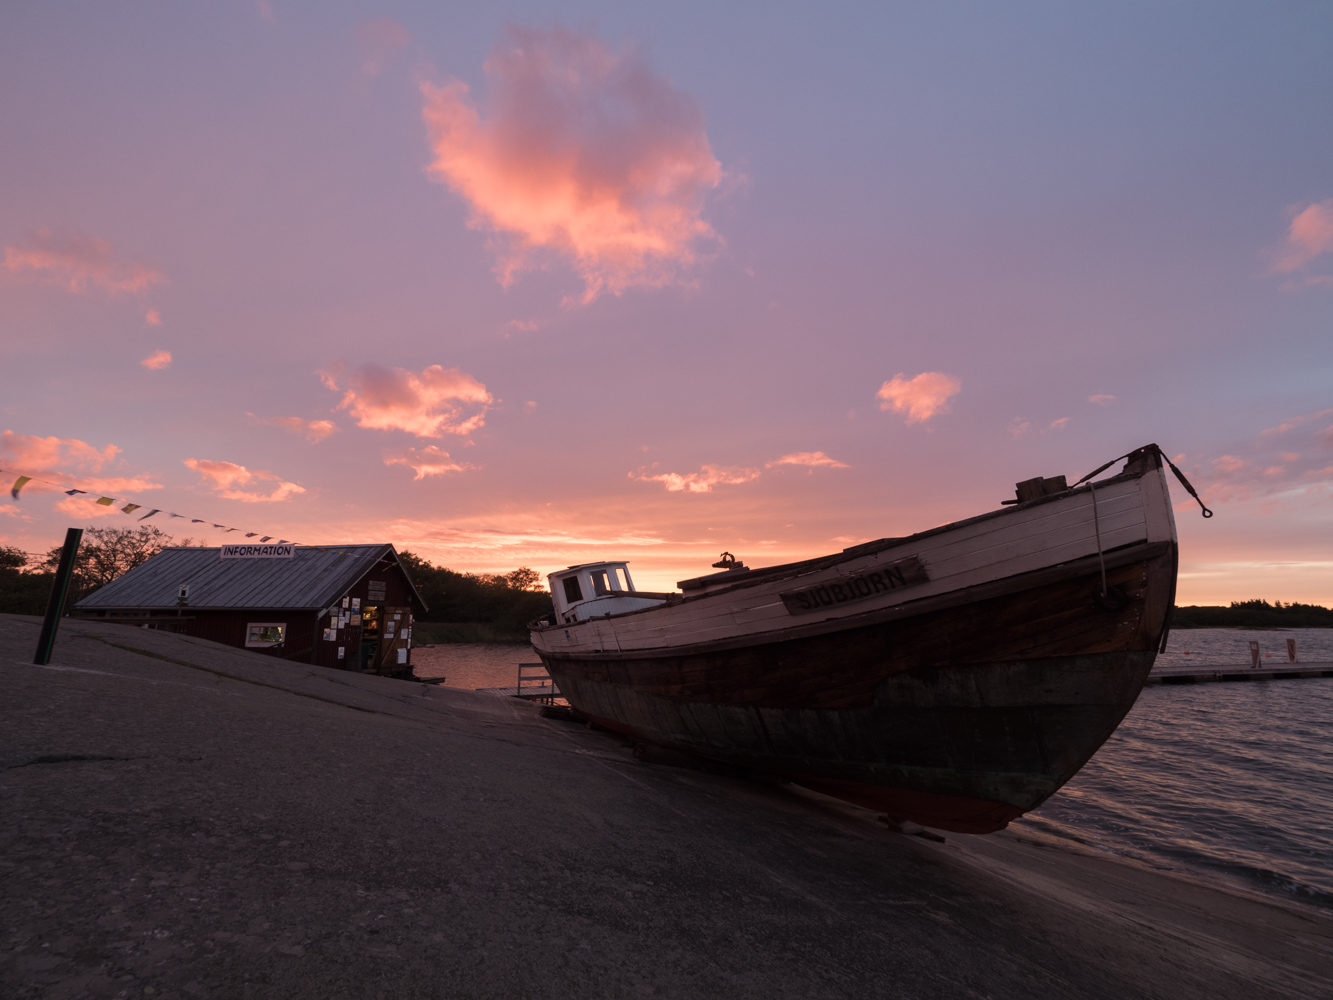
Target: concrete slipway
(182,819)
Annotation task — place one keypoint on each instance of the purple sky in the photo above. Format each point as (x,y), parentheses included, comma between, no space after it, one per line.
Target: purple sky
(578,281)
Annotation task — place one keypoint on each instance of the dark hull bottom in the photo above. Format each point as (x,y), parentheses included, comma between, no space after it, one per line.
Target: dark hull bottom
(965,748)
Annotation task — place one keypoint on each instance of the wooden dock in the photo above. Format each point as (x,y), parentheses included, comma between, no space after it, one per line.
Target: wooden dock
(1206,673)
(533,684)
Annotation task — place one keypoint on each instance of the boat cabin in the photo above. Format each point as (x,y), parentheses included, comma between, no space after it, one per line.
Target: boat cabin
(595,589)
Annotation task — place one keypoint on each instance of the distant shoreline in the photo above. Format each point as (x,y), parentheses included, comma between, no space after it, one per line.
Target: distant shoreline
(1252,615)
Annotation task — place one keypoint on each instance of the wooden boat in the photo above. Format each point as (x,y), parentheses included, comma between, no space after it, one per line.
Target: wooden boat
(956,677)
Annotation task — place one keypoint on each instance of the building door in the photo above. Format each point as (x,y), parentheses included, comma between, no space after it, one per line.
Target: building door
(394,655)
(368,658)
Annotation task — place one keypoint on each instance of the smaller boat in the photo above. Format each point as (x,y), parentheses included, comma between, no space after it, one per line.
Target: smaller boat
(956,677)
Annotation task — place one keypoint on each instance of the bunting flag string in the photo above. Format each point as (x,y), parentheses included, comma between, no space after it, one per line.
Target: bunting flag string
(130,507)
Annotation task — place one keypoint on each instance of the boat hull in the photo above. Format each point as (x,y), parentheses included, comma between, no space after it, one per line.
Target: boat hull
(957,677)
(959,721)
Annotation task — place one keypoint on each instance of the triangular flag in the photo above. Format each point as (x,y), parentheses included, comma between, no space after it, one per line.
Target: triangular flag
(106,501)
(70,493)
(19,483)
(266,538)
(177,515)
(196,520)
(251,534)
(155,510)
(130,508)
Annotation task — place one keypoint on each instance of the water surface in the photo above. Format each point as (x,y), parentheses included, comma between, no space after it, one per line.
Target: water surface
(1232,645)
(1233,781)
(472,665)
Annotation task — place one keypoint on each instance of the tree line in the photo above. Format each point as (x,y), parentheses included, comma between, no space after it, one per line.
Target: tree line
(1254,614)
(505,601)
(104,555)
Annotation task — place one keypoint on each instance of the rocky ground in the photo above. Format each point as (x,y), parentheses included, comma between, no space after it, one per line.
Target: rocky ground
(180,819)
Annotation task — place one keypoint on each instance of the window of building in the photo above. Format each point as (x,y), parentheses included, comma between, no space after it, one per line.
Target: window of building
(263,634)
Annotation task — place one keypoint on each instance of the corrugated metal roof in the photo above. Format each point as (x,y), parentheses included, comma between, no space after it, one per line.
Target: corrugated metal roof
(313,578)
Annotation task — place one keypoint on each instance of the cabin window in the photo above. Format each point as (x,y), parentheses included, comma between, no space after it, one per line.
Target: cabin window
(262,634)
(572,591)
(621,576)
(599,585)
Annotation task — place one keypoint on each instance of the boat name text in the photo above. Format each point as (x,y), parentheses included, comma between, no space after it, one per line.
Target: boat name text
(861,587)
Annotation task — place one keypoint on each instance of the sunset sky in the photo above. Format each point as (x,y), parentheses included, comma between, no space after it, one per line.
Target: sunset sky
(554,282)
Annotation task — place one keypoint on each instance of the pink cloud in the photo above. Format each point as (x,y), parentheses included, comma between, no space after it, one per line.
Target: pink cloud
(1059,425)
(436,402)
(50,454)
(1259,470)
(709,476)
(1018,426)
(427,461)
(1101,399)
(1293,423)
(378,41)
(157,360)
(67,461)
(920,397)
(77,262)
(153,317)
(702,481)
(86,507)
(223,477)
(812,459)
(1310,234)
(314,430)
(585,153)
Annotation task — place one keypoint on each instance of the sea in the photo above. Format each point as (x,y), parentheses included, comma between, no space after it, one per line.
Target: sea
(1228,782)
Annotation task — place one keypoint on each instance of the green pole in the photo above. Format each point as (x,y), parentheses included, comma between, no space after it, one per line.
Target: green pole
(59,590)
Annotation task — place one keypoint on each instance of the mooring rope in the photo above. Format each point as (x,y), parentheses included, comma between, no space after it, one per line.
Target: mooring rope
(1097,530)
(1162,455)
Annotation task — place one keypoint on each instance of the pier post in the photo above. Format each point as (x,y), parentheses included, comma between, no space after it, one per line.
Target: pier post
(59,590)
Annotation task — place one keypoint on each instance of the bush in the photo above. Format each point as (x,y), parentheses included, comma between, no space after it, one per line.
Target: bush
(22,593)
